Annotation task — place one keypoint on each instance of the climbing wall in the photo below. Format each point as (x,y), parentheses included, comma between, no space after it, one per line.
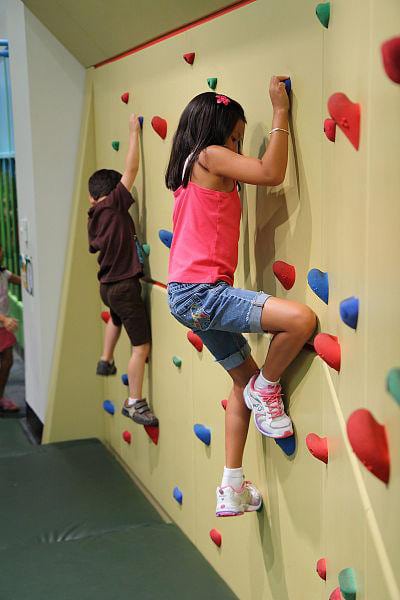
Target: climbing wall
(329,496)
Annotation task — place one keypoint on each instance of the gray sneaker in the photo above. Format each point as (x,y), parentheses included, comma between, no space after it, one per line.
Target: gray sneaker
(140,413)
(105,368)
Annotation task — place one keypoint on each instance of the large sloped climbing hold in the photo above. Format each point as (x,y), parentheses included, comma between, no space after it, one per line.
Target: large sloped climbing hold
(127,437)
(105,315)
(177,494)
(391,58)
(288,444)
(393,384)
(348,583)
(216,537)
(177,361)
(189,57)
(115,145)
(125,97)
(195,340)
(349,311)
(109,407)
(336,595)
(369,442)
(285,273)
(330,129)
(318,446)
(212,82)
(321,568)
(319,283)
(328,348)
(166,237)
(346,115)
(153,433)
(323,12)
(160,126)
(203,433)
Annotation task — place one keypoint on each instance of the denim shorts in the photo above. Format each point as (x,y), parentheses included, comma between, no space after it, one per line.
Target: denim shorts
(219,314)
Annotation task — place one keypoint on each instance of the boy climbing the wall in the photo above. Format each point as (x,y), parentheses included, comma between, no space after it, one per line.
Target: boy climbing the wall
(112,234)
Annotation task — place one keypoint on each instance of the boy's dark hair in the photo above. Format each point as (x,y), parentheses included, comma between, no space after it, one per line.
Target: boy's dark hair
(102,182)
(203,123)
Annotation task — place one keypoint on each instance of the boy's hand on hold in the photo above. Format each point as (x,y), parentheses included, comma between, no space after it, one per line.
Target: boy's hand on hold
(10,324)
(277,92)
(134,125)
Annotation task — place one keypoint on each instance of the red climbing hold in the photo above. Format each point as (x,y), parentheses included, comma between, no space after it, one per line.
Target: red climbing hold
(336,595)
(153,433)
(318,446)
(105,315)
(328,348)
(391,58)
(195,340)
(127,437)
(321,568)
(346,114)
(224,403)
(216,537)
(330,129)
(285,273)
(189,57)
(160,126)
(369,442)
(125,97)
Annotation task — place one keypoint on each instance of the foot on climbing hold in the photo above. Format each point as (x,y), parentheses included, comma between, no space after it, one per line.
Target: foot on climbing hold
(177,361)
(203,433)
(349,311)
(166,237)
(323,12)
(288,85)
(212,82)
(105,315)
(160,126)
(195,340)
(124,379)
(321,568)
(153,433)
(346,115)
(328,348)
(189,57)
(391,58)
(285,273)
(288,445)
(369,442)
(115,145)
(224,403)
(216,537)
(336,595)
(393,384)
(127,437)
(330,129)
(177,494)
(319,283)
(318,446)
(109,407)
(348,584)
(125,97)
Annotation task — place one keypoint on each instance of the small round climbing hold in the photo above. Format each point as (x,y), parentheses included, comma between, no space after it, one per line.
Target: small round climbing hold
(348,583)
(125,97)
(166,237)
(323,12)
(330,129)
(321,568)
(127,437)
(318,446)
(287,444)
(216,537)
(109,407)
(160,126)
(146,249)
(349,311)
(203,433)
(115,145)
(319,283)
(347,116)
(152,432)
(393,384)
(105,315)
(177,361)
(140,119)
(224,403)
(336,595)
(177,494)
(212,82)
(285,273)
(189,57)
(391,58)
(328,348)
(369,442)
(195,340)
(124,379)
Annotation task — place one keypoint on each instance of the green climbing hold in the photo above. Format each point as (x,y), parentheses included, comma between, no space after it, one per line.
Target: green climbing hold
(177,361)
(212,82)
(393,384)
(323,12)
(348,584)
(115,145)
(146,249)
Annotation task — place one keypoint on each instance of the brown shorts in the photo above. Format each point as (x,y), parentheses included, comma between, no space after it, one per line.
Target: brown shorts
(127,308)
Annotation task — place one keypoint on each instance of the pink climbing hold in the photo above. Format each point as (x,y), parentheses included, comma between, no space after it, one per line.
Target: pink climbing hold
(105,315)
(328,348)
(216,537)
(195,340)
(153,433)
(346,115)
(125,97)
(391,58)
(318,446)
(285,273)
(330,129)
(336,595)
(189,57)
(321,568)
(369,442)
(160,126)
(224,403)
(127,437)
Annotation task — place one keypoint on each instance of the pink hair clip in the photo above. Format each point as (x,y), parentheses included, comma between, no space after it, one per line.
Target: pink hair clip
(222,99)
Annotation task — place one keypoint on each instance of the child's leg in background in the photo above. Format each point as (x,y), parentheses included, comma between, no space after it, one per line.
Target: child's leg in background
(136,368)
(6,358)
(111,338)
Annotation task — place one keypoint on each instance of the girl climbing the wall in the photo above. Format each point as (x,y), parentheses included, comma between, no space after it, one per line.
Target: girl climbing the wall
(205,165)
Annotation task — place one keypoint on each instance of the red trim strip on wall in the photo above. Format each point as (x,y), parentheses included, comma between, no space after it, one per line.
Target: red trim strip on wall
(215,15)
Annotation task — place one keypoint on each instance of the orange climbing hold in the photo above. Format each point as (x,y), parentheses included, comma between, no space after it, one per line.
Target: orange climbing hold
(127,437)
(346,115)
(285,273)
(189,57)
(153,433)
(328,348)
(330,129)
(321,568)
(216,537)
(391,58)
(160,126)
(105,315)
(195,340)
(125,97)
(369,442)
(318,446)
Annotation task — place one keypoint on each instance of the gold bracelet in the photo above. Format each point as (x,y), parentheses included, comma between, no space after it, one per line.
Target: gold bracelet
(278,129)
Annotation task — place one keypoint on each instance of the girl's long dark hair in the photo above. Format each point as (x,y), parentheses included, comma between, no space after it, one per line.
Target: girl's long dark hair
(203,123)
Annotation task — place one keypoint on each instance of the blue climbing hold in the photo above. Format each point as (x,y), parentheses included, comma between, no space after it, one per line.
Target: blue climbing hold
(203,433)
(4,53)
(288,444)
(288,86)
(124,379)
(166,237)
(109,407)
(349,311)
(140,119)
(319,283)
(177,494)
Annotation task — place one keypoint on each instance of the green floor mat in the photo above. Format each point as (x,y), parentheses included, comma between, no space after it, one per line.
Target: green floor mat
(12,438)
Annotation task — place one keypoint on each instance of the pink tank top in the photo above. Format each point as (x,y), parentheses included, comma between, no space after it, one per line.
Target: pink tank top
(206,234)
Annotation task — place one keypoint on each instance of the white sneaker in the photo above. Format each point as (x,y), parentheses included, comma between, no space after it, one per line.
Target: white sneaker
(268,410)
(233,502)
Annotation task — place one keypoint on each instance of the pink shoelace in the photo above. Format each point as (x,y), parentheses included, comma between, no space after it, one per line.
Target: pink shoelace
(273,400)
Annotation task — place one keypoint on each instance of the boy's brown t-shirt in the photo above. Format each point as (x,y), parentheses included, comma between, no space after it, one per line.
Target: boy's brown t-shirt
(112,233)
